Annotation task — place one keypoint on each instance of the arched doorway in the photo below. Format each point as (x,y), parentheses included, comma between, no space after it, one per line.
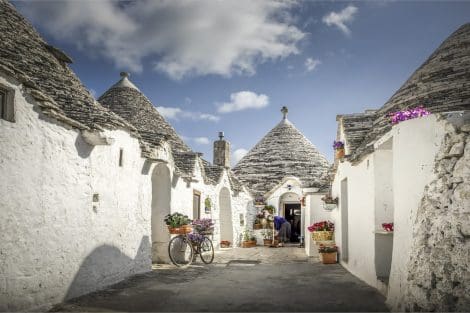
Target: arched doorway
(226,223)
(290,208)
(161,201)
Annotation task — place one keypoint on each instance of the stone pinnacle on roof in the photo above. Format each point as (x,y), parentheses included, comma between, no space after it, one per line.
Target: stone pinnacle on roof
(283,152)
(125,82)
(284,111)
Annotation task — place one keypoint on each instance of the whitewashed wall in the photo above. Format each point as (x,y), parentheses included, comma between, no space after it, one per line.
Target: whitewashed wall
(314,212)
(415,144)
(360,215)
(374,197)
(56,243)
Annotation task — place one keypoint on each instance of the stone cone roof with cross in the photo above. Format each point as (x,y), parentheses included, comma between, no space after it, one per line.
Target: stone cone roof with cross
(283,152)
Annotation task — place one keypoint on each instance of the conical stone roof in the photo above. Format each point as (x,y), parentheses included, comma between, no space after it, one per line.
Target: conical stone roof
(44,73)
(283,152)
(440,84)
(126,100)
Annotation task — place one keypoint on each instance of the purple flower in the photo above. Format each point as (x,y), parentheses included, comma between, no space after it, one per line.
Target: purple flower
(338,144)
(409,114)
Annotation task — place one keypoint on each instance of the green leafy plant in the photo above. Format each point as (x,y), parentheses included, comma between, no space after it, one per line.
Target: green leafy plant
(267,234)
(327,249)
(208,203)
(247,235)
(269,208)
(177,220)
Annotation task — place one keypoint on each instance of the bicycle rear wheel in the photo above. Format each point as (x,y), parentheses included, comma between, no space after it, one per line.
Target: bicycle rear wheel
(180,251)
(206,251)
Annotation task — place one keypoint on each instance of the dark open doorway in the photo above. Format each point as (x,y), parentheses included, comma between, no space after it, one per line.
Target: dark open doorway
(292,213)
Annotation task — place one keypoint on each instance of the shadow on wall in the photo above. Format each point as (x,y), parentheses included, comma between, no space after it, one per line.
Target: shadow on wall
(83,148)
(107,265)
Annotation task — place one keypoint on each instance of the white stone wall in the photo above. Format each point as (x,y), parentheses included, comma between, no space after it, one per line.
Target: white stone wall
(56,242)
(415,144)
(438,270)
(314,212)
(361,218)
(373,197)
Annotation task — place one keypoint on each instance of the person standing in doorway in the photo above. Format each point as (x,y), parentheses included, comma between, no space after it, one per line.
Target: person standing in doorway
(284,229)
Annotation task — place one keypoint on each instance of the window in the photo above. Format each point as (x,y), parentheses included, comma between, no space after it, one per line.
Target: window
(121,157)
(6,105)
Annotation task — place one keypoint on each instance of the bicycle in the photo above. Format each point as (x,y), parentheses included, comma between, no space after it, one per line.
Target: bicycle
(184,248)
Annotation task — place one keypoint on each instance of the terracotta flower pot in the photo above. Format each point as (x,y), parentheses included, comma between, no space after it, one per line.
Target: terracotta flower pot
(339,153)
(328,258)
(248,244)
(257,226)
(267,242)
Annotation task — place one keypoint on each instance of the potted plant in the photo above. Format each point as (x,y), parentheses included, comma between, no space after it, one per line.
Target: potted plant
(267,237)
(269,209)
(270,220)
(178,223)
(258,221)
(328,254)
(329,203)
(322,231)
(248,240)
(207,205)
(339,149)
(225,244)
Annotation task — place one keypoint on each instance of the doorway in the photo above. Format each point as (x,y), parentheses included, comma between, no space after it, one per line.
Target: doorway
(293,213)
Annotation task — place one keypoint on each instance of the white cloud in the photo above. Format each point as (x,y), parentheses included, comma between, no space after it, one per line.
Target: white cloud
(197,140)
(173,113)
(339,19)
(311,64)
(238,155)
(180,38)
(201,140)
(243,100)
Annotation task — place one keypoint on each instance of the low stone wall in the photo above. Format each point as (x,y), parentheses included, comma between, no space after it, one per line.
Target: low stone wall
(438,269)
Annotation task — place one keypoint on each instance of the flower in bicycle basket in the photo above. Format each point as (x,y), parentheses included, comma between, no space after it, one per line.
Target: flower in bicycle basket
(204,225)
(195,237)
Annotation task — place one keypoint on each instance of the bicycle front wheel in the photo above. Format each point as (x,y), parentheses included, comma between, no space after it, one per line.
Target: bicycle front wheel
(206,251)
(180,251)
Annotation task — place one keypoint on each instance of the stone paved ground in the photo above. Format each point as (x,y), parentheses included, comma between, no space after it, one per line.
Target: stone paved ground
(254,279)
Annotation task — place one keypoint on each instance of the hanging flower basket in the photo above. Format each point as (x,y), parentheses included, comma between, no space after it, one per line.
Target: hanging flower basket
(324,235)
(329,206)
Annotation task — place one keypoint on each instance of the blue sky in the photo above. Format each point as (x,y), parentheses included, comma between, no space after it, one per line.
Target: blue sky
(230,66)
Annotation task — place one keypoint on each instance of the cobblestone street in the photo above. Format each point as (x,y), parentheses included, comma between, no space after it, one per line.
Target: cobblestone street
(254,279)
